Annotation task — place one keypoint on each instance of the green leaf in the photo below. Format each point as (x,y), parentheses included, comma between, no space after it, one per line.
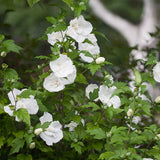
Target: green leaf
(24,157)
(17,144)
(32,2)
(94,106)
(10,74)
(97,133)
(106,155)
(152,59)
(93,95)
(11,46)
(2,141)
(1,37)
(23,115)
(69,2)
(77,146)
(138,78)
(94,67)
(42,107)
(81,79)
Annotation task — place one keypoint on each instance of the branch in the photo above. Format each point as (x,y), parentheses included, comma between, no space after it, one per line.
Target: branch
(128,30)
(148,24)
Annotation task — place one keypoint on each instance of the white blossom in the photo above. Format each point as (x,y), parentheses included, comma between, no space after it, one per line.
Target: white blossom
(93,48)
(72,125)
(55,36)
(156,72)
(147,159)
(100,60)
(105,94)
(53,83)
(91,88)
(62,66)
(30,104)
(79,28)
(53,133)
(136,119)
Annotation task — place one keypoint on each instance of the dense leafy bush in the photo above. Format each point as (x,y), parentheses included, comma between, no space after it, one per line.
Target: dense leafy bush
(75,108)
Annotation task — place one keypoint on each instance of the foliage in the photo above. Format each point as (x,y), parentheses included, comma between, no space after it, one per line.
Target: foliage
(83,122)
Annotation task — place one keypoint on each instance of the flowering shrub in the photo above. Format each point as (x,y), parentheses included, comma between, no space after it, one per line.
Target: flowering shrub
(76,109)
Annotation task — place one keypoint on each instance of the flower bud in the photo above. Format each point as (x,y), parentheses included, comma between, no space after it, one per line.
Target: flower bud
(32,145)
(130,113)
(157,100)
(100,60)
(3,54)
(4,66)
(38,131)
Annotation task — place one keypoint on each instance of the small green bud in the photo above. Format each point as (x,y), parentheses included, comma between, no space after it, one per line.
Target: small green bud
(108,134)
(75,140)
(4,66)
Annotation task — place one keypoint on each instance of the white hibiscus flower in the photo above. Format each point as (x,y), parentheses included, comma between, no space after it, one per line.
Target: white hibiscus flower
(156,72)
(72,125)
(53,83)
(62,66)
(30,104)
(53,133)
(105,94)
(93,48)
(55,37)
(91,88)
(79,28)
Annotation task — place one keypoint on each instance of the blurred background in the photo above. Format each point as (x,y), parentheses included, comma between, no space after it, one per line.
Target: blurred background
(26,25)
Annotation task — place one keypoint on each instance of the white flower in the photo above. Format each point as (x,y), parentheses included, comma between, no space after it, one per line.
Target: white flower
(53,83)
(156,72)
(105,94)
(32,145)
(79,28)
(55,36)
(38,131)
(110,77)
(62,66)
(53,133)
(93,48)
(130,113)
(30,104)
(136,119)
(100,60)
(72,125)
(91,88)
(157,137)
(157,100)
(147,159)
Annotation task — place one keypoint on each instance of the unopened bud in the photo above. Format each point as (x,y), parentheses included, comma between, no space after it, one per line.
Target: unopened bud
(130,113)
(100,60)
(3,54)
(4,66)
(38,131)
(157,100)
(32,145)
